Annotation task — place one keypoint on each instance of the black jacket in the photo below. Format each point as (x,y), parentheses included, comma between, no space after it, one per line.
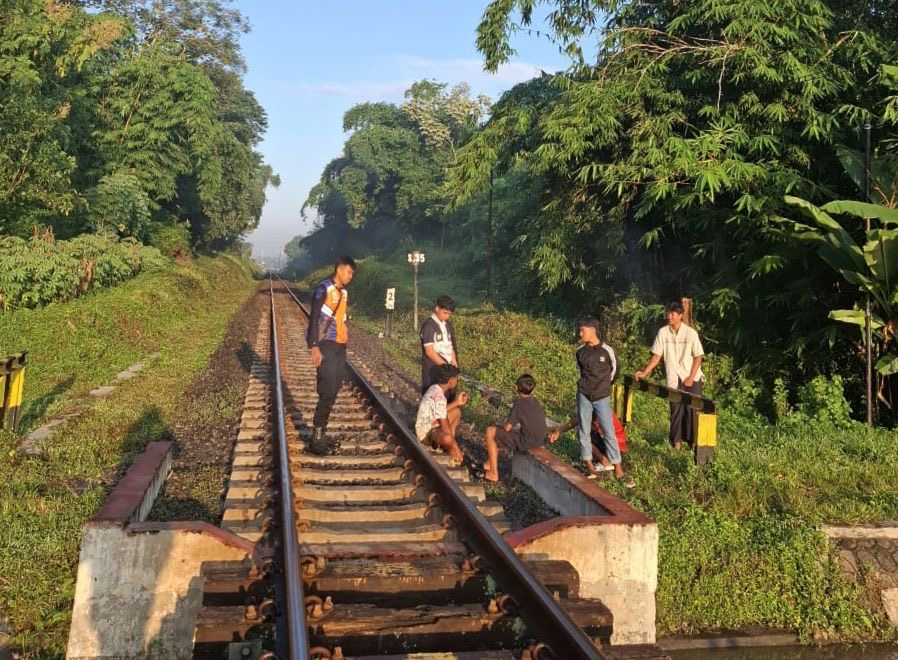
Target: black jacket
(598,368)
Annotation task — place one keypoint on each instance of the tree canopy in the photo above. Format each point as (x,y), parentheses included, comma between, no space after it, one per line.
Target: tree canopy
(138,106)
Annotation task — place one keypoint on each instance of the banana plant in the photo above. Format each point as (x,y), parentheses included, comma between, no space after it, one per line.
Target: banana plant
(872,266)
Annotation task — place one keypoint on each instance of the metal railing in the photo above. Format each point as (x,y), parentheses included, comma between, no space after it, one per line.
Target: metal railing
(295,616)
(544,617)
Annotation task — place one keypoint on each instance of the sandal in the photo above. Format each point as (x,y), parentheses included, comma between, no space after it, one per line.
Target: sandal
(628,482)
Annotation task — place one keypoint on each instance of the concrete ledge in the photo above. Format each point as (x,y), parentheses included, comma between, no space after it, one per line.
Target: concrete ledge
(139,584)
(887,530)
(613,546)
(133,496)
(139,587)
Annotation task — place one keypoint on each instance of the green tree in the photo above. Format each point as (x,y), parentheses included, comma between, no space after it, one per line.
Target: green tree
(677,144)
(47,55)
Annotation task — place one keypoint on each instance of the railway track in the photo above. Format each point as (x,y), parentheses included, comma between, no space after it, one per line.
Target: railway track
(383,549)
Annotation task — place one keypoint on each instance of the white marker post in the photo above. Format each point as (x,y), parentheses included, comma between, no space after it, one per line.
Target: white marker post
(416,258)
(390,304)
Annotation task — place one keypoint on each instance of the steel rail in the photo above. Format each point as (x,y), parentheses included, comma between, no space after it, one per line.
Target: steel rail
(295,615)
(539,610)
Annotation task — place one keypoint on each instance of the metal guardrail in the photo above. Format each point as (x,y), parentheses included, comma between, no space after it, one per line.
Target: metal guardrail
(12,385)
(697,402)
(705,440)
(544,617)
(295,616)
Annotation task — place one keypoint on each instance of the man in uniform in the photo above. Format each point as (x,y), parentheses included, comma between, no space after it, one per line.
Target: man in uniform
(326,338)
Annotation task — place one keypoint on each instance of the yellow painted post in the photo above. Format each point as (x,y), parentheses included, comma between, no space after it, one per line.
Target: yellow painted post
(622,402)
(16,391)
(4,389)
(705,438)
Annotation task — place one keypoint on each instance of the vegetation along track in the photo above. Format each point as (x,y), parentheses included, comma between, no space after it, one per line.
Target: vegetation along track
(390,550)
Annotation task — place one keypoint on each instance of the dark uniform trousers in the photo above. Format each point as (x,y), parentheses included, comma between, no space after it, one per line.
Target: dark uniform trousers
(682,417)
(329,377)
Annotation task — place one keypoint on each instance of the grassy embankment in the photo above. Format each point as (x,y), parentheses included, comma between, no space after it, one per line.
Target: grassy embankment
(181,312)
(739,544)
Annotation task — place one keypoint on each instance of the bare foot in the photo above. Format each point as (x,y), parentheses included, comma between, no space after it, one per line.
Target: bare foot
(487,466)
(491,476)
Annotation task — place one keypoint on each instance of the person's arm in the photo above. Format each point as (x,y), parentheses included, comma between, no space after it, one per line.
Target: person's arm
(432,355)
(461,400)
(696,365)
(649,368)
(556,433)
(314,336)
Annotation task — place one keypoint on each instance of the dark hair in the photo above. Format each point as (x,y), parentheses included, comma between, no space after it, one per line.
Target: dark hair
(675,306)
(589,322)
(445,373)
(525,384)
(445,302)
(344,261)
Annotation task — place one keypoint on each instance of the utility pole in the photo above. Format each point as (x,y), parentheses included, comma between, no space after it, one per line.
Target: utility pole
(489,241)
(868,326)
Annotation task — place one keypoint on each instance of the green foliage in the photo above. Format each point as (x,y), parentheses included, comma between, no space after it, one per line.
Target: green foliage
(387,185)
(119,205)
(107,122)
(664,159)
(171,240)
(40,271)
(74,348)
(823,400)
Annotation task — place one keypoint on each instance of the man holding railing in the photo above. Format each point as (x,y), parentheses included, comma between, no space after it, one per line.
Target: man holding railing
(678,344)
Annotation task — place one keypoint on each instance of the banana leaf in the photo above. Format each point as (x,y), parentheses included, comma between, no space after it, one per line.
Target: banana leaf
(853,162)
(881,255)
(862,210)
(887,364)
(855,317)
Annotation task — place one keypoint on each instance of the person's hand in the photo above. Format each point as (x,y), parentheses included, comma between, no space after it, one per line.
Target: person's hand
(688,382)
(553,436)
(462,398)
(317,357)
(639,375)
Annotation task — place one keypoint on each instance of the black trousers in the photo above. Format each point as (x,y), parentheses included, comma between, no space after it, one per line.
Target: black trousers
(682,417)
(329,377)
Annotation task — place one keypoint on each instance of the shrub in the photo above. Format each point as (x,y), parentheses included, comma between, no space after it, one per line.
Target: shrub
(40,271)
(823,400)
(118,204)
(171,240)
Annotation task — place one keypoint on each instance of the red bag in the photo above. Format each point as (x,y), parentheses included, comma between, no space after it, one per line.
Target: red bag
(619,431)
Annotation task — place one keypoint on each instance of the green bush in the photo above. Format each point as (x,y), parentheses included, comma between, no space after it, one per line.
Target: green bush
(119,205)
(171,240)
(40,271)
(823,400)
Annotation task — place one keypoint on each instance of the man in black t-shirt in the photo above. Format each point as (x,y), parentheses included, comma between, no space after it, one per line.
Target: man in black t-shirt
(437,342)
(524,429)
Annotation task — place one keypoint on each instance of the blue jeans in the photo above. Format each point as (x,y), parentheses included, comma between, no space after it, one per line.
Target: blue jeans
(602,409)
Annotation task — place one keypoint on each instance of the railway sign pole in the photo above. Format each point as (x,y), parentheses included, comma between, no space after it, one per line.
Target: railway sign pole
(416,258)
(390,304)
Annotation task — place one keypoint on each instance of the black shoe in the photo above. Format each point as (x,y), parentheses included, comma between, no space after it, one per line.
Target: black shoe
(319,445)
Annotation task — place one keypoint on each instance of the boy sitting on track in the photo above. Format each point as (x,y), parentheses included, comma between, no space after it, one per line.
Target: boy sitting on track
(525,428)
(438,419)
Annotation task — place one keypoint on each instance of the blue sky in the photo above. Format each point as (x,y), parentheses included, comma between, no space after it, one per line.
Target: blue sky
(309,62)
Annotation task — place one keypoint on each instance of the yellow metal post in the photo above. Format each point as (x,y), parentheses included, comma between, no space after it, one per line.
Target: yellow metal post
(705,437)
(12,385)
(622,402)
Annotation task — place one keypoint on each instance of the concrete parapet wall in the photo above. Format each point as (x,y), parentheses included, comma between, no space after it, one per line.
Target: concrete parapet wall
(140,584)
(139,588)
(613,546)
